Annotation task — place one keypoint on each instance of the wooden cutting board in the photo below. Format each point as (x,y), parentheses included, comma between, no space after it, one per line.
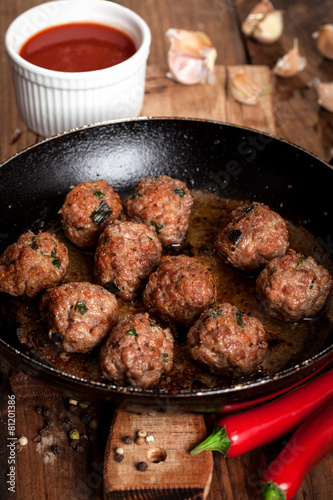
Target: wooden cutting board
(172,473)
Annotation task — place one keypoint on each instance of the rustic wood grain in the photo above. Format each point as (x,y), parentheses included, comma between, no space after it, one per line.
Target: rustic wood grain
(172,472)
(298,116)
(165,97)
(75,476)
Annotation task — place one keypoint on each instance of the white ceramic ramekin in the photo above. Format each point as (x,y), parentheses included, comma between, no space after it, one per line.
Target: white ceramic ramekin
(51,102)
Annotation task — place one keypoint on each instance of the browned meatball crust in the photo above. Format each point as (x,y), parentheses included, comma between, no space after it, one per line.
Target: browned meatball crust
(164,205)
(32,264)
(126,254)
(79,315)
(137,352)
(179,290)
(227,342)
(254,235)
(293,287)
(88,208)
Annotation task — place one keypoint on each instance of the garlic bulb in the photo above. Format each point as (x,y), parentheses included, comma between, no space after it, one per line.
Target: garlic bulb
(244,90)
(191,57)
(324,39)
(264,23)
(291,63)
(325,93)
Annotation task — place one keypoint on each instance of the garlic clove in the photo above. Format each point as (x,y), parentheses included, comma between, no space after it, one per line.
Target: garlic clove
(324,92)
(270,29)
(256,15)
(291,63)
(324,39)
(244,90)
(191,57)
(264,23)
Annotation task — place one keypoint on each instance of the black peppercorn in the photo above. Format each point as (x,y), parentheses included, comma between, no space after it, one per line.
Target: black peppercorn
(57,450)
(74,443)
(80,447)
(119,457)
(142,466)
(85,418)
(39,410)
(47,412)
(127,439)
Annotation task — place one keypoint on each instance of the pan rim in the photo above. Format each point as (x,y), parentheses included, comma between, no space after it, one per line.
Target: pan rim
(166,119)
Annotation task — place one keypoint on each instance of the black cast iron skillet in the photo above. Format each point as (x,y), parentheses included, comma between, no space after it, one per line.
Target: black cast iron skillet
(234,162)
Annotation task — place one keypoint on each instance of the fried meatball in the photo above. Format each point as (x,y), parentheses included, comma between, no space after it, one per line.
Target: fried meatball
(88,209)
(254,235)
(227,342)
(293,287)
(137,352)
(164,205)
(79,315)
(179,290)
(32,264)
(126,254)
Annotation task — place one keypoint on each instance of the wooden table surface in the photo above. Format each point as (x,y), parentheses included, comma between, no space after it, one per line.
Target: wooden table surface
(298,118)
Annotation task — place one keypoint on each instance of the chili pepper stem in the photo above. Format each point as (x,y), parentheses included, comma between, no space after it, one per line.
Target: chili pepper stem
(271,491)
(218,440)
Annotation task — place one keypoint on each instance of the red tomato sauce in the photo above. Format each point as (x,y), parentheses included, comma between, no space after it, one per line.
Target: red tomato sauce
(78,47)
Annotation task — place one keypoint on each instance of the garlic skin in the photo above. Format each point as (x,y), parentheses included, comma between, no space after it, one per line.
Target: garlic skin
(244,90)
(264,23)
(291,63)
(324,39)
(325,93)
(191,57)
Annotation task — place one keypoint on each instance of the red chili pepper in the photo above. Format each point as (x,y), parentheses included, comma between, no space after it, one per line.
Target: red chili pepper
(236,434)
(311,443)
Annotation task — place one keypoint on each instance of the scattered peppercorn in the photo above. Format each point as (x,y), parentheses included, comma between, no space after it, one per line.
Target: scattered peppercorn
(120,450)
(74,434)
(23,441)
(93,424)
(85,418)
(74,443)
(72,407)
(18,448)
(57,450)
(142,466)
(84,404)
(142,433)
(37,439)
(119,457)
(80,447)
(47,412)
(39,410)
(140,440)
(127,439)
(150,438)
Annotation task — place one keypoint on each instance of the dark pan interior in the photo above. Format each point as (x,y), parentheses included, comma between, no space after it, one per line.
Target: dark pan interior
(232,161)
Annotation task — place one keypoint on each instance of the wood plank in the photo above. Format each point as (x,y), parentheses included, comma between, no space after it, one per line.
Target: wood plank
(298,116)
(172,472)
(165,97)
